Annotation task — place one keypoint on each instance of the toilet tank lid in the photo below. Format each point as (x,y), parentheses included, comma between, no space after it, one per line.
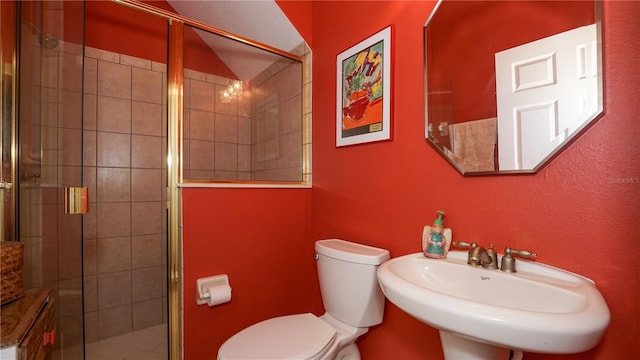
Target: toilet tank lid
(352,252)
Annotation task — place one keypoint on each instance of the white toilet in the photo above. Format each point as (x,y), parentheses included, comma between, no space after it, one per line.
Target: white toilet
(353,302)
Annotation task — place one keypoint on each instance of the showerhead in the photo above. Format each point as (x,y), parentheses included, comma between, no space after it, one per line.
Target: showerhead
(47,41)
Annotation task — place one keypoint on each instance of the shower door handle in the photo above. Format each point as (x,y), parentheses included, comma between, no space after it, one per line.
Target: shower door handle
(76,200)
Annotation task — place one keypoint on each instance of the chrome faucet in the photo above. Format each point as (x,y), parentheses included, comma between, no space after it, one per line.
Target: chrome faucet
(478,255)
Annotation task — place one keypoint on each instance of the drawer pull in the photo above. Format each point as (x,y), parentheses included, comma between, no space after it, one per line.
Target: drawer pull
(49,337)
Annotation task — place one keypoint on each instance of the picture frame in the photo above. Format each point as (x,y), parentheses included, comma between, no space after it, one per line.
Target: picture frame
(363,102)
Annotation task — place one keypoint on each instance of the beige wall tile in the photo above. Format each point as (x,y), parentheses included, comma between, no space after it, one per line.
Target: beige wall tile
(226,157)
(226,128)
(89,143)
(146,184)
(114,321)
(295,150)
(91,326)
(99,54)
(146,118)
(135,61)
(244,158)
(114,219)
(69,116)
(114,185)
(244,130)
(114,289)
(201,155)
(71,72)
(147,313)
(90,293)
(69,297)
(295,113)
(70,254)
(114,254)
(201,125)
(146,85)
(146,250)
(70,141)
(146,217)
(90,112)
(114,80)
(89,228)
(90,257)
(146,284)
(114,114)
(202,95)
(114,149)
(146,151)
(90,75)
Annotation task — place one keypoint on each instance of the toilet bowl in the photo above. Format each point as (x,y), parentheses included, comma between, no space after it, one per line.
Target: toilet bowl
(351,297)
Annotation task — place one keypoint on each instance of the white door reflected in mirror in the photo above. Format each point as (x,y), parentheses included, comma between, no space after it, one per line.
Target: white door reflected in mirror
(546,90)
(509,84)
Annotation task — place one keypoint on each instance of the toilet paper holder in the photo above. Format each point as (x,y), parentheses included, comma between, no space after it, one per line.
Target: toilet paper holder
(203,284)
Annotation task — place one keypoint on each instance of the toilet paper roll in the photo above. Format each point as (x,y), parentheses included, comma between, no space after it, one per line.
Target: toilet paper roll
(218,294)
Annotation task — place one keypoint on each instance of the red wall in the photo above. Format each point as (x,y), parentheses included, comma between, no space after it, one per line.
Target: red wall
(462,38)
(579,213)
(260,238)
(114,27)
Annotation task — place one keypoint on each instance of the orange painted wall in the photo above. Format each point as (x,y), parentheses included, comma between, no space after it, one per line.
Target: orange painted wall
(580,212)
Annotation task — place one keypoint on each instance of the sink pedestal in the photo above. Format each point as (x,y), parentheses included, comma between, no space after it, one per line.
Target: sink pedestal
(457,347)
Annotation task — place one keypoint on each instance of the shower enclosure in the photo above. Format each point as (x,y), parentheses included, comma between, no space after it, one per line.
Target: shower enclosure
(87,118)
(124,103)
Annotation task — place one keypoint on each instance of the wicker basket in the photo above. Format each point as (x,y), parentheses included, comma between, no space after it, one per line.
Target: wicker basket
(11,260)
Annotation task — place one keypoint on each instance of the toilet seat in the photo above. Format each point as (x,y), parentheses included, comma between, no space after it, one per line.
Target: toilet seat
(300,336)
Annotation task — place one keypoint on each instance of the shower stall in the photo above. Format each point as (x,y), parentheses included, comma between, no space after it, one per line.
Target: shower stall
(90,120)
(109,108)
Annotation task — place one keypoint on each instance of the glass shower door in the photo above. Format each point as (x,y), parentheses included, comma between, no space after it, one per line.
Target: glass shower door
(124,166)
(92,114)
(50,159)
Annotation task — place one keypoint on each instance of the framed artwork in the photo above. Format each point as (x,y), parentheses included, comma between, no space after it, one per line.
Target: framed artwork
(363,106)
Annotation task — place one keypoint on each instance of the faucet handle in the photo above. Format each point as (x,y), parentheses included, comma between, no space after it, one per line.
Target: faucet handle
(508,263)
(465,245)
(521,253)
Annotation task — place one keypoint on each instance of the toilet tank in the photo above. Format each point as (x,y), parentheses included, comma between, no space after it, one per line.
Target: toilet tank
(348,281)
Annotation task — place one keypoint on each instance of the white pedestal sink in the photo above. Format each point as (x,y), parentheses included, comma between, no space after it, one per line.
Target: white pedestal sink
(482,314)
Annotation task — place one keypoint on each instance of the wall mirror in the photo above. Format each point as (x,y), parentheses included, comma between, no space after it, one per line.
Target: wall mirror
(509,84)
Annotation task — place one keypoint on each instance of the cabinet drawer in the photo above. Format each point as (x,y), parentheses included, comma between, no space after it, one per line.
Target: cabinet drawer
(33,346)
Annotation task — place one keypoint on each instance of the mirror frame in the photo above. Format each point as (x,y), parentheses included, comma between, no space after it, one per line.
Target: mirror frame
(560,147)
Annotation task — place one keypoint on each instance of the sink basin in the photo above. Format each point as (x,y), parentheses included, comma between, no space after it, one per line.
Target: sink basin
(540,308)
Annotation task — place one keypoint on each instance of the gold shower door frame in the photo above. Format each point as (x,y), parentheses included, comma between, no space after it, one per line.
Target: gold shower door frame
(174,137)
(8,125)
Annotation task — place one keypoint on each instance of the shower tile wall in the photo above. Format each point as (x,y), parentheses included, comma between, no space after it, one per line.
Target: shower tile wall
(277,125)
(256,136)
(217,136)
(125,169)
